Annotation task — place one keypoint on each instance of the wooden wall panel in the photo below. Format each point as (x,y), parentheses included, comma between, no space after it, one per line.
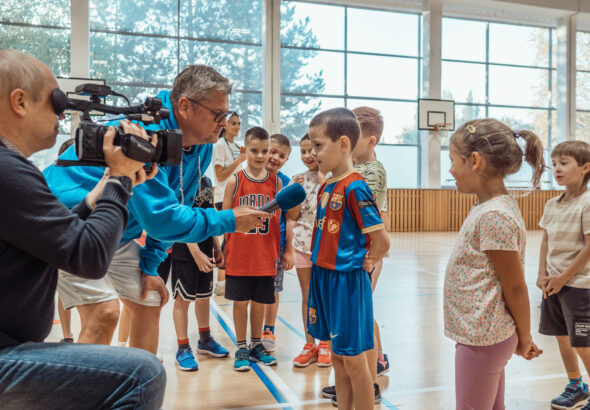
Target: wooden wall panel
(415,210)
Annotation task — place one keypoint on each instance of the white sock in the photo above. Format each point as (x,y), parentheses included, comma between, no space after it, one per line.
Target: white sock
(122,344)
(221,282)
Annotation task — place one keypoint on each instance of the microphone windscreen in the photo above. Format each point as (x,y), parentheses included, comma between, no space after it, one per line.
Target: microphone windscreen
(290,196)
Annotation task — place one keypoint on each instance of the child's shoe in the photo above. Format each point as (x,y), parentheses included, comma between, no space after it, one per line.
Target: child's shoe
(382,365)
(212,348)
(324,355)
(269,340)
(377,395)
(571,398)
(586,407)
(242,362)
(259,354)
(329,392)
(185,360)
(308,355)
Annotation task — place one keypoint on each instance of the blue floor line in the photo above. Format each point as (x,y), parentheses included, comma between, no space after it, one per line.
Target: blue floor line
(292,328)
(261,375)
(387,403)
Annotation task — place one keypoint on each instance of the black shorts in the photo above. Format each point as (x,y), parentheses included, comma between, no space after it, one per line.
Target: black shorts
(189,282)
(567,314)
(164,269)
(260,289)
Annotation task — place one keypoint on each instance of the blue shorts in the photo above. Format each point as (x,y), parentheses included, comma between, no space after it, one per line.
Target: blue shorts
(340,309)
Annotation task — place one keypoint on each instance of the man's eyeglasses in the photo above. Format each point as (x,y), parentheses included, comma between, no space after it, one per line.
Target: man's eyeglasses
(219,115)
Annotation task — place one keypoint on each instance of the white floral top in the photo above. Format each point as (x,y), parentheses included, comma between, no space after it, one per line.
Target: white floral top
(474,307)
(303,228)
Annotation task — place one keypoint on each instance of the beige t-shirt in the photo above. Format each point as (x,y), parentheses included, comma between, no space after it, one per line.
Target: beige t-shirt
(224,154)
(374,174)
(566,223)
(474,308)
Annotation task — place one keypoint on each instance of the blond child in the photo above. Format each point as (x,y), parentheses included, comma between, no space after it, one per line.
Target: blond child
(564,273)
(251,257)
(349,239)
(280,149)
(486,303)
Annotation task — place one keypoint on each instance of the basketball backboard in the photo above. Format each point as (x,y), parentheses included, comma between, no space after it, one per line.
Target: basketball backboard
(436,114)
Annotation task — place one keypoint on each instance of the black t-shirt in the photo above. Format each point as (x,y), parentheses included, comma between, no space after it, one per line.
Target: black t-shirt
(204,200)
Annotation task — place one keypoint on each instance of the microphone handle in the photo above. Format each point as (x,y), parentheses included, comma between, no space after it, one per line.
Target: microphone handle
(270,206)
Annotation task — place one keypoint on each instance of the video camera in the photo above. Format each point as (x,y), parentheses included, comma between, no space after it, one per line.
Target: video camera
(89,135)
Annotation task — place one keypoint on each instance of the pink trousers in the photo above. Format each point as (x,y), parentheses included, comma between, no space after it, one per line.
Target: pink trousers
(479,374)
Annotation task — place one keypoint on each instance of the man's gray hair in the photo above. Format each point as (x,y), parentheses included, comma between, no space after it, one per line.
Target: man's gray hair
(20,70)
(197,81)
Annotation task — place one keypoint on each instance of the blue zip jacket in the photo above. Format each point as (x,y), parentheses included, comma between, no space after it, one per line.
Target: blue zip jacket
(156,204)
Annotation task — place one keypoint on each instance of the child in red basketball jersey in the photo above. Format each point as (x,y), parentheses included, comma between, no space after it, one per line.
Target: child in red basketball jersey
(251,257)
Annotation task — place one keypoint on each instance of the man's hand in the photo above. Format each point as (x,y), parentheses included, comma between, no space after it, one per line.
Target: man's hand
(149,282)
(93,196)
(248,218)
(552,284)
(119,163)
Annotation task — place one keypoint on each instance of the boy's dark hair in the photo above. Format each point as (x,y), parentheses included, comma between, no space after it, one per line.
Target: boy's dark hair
(258,133)
(281,140)
(339,122)
(497,142)
(305,137)
(370,120)
(578,150)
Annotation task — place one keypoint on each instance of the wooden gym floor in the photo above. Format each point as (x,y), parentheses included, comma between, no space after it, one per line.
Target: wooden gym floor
(408,308)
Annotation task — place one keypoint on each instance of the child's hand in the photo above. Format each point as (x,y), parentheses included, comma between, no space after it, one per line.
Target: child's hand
(204,263)
(527,348)
(299,179)
(242,156)
(369,263)
(217,253)
(553,284)
(288,260)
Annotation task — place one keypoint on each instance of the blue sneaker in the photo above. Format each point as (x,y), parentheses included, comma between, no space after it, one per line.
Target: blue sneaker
(212,348)
(185,359)
(571,398)
(242,363)
(259,354)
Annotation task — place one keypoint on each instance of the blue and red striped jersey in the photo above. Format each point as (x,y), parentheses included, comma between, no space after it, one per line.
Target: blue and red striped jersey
(346,212)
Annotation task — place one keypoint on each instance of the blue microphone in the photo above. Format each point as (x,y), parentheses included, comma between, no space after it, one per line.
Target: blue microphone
(287,198)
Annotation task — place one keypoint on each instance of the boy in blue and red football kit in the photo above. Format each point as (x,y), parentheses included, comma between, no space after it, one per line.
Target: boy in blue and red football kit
(348,239)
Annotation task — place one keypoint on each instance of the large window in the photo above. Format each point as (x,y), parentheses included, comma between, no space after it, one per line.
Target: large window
(41,29)
(501,71)
(344,56)
(583,86)
(139,46)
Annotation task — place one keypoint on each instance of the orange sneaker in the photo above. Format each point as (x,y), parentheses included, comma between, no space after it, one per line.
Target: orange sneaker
(324,355)
(308,355)
(269,341)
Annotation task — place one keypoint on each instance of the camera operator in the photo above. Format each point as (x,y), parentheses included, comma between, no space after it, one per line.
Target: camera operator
(198,104)
(38,235)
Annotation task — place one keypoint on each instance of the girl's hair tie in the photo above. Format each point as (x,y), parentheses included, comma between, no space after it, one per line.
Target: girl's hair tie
(516,133)
(470,129)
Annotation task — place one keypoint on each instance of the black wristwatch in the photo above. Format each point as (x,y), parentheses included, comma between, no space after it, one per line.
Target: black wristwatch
(124,181)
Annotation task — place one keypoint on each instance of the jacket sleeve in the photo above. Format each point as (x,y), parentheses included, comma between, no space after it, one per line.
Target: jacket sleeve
(166,221)
(35,221)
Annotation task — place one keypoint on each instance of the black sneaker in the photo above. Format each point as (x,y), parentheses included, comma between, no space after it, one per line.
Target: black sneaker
(335,400)
(571,398)
(329,392)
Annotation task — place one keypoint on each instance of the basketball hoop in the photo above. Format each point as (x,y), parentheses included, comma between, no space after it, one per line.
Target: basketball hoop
(442,126)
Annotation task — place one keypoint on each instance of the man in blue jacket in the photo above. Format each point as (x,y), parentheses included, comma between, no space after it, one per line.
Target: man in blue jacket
(198,104)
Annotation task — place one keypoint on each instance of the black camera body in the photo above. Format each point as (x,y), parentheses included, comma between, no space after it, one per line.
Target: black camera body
(89,136)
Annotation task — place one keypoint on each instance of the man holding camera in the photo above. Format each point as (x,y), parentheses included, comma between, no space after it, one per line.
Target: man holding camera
(38,235)
(198,104)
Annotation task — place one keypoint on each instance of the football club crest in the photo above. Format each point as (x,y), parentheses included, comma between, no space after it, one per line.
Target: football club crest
(333,226)
(336,202)
(312,316)
(324,199)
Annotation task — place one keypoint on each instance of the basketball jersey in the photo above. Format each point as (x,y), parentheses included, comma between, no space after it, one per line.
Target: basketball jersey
(346,212)
(254,253)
